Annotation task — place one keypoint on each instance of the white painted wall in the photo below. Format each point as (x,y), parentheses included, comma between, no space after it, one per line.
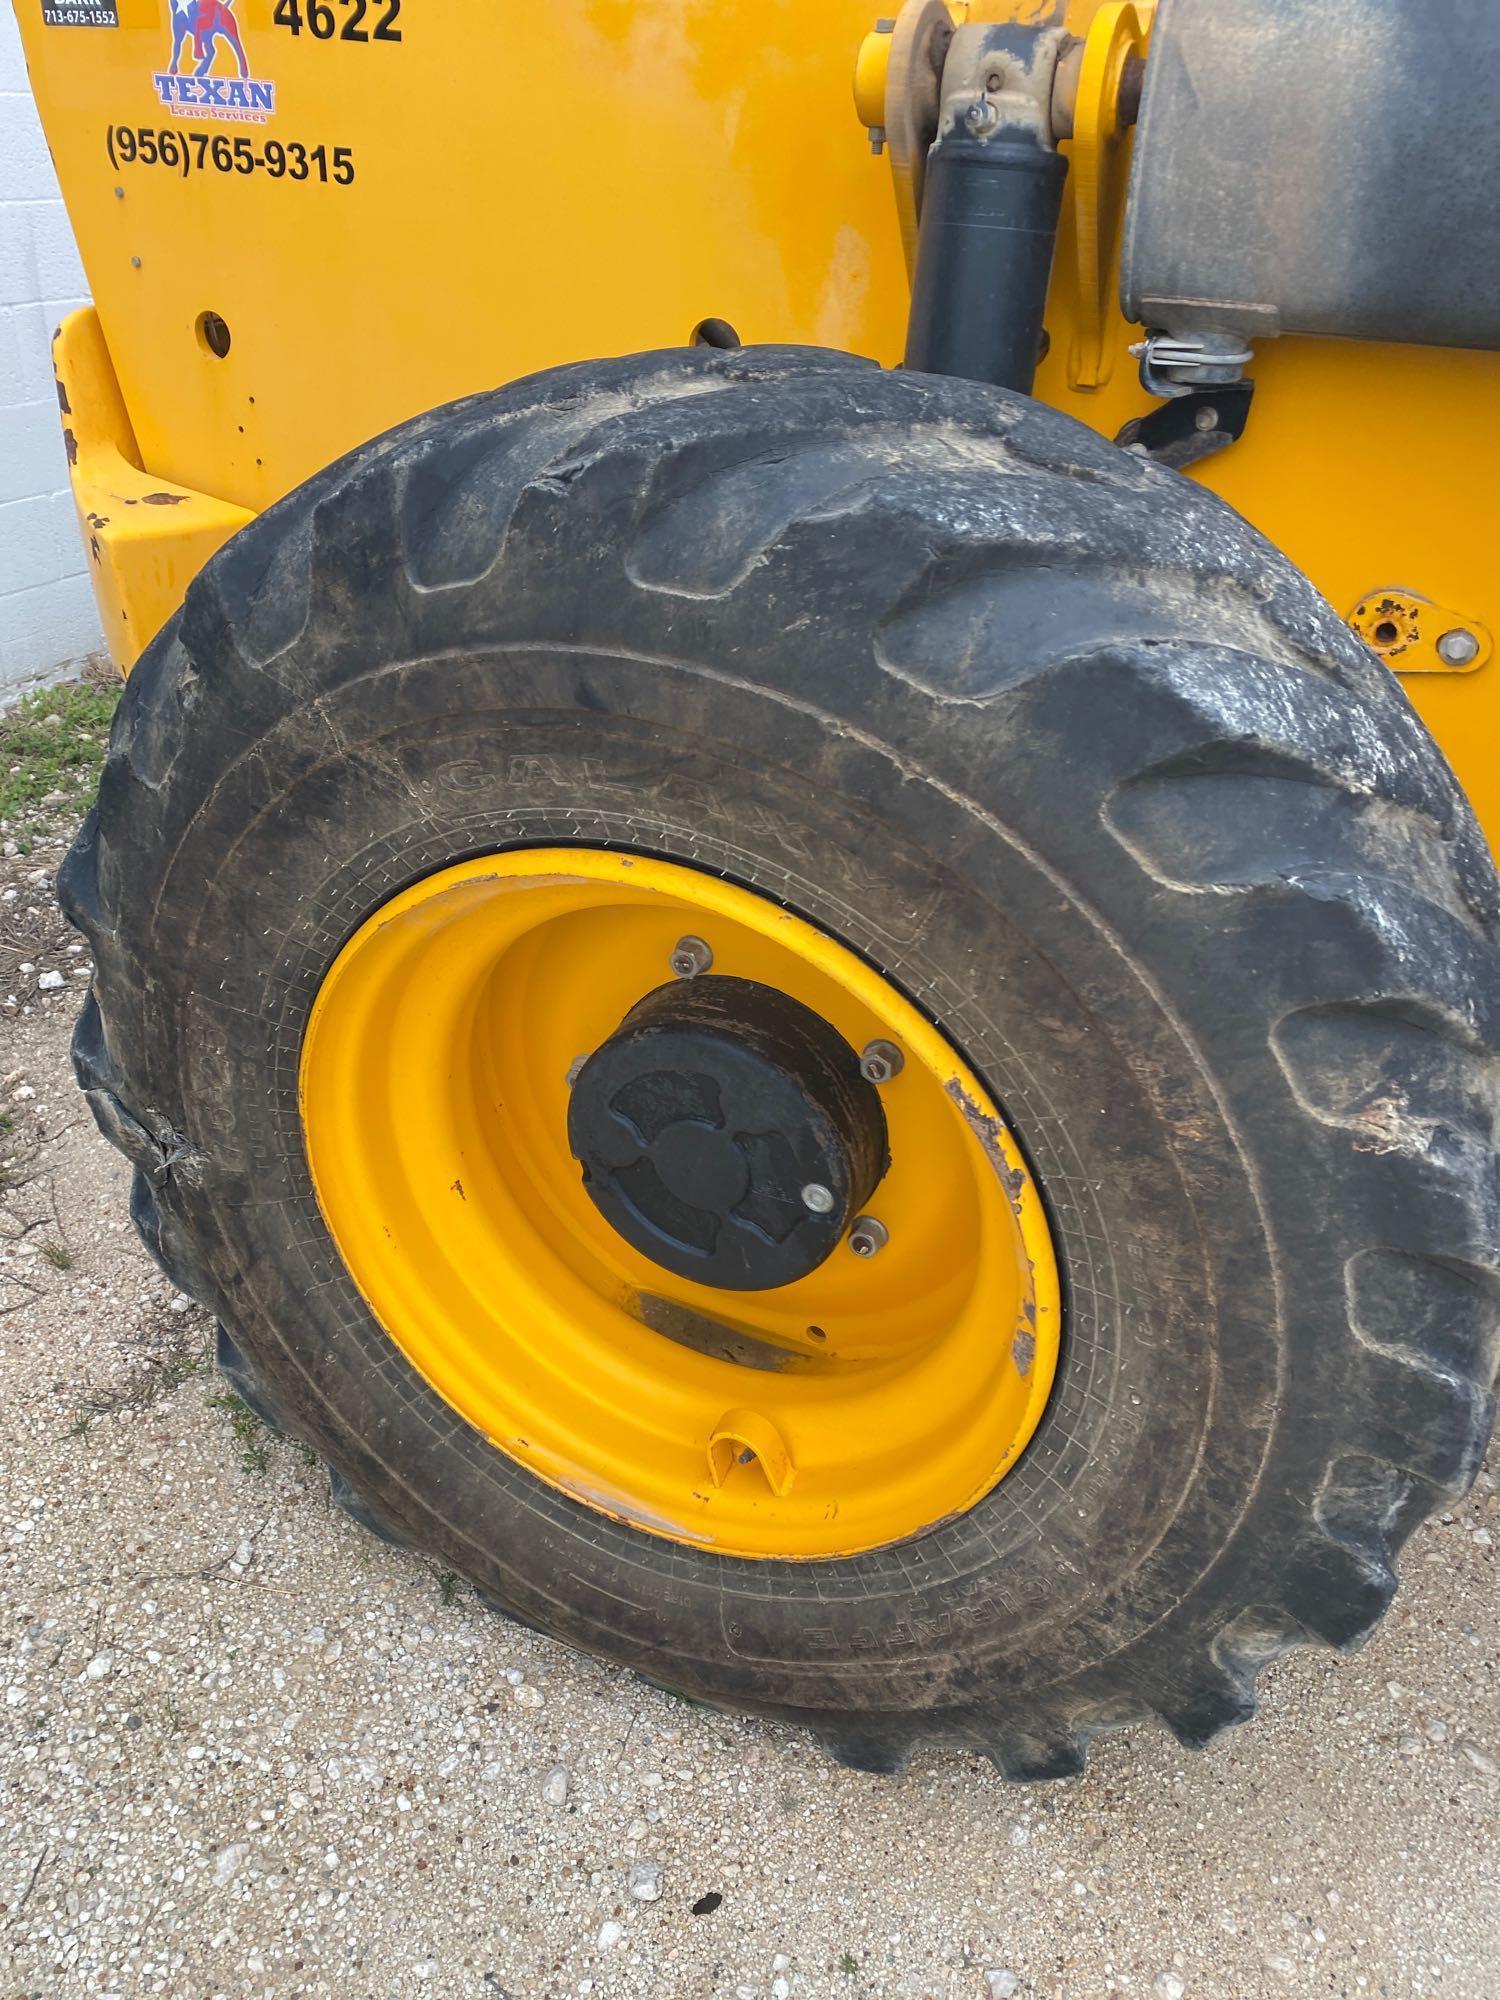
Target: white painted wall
(47,616)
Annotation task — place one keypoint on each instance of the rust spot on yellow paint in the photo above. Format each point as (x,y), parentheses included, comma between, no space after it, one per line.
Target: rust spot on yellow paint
(986,1129)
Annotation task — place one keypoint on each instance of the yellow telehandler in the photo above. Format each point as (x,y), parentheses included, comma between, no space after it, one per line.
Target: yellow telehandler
(808,986)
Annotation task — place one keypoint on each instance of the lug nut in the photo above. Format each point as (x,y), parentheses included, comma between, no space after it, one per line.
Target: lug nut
(1458,648)
(817,1199)
(868,1236)
(690,956)
(880,1061)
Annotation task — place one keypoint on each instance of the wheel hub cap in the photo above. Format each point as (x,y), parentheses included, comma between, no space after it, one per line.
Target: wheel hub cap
(725,1131)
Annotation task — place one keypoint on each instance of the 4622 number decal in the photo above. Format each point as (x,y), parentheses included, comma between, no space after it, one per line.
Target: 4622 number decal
(351,21)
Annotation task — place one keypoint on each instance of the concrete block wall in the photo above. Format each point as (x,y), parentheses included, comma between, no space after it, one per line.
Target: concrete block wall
(47,618)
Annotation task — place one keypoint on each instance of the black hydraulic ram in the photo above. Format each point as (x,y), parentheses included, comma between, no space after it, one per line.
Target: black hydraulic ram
(991,199)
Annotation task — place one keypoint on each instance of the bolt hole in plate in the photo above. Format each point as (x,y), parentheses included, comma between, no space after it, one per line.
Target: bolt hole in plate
(714,333)
(1415,635)
(213,334)
(877,1396)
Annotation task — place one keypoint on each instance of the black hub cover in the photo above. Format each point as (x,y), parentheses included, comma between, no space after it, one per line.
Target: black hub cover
(706,1116)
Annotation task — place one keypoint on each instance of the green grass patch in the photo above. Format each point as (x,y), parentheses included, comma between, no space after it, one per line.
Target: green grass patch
(248,1430)
(53,741)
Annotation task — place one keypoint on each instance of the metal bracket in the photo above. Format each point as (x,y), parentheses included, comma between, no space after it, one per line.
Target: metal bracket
(1191,424)
(918,42)
(1098,119)
(1201,375)
(1415,636)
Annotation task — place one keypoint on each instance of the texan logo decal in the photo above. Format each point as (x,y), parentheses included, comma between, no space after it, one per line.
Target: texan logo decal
(208,73)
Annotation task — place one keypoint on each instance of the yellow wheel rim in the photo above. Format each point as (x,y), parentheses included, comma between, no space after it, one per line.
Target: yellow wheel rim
(855,1407)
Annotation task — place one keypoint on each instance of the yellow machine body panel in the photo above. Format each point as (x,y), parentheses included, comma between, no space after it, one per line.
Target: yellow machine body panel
(399,203)
(146,537)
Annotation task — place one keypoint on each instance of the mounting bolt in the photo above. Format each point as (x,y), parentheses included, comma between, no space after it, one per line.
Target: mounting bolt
(1458,648)
(868,1236)
(1206,419)
(690,956)
(817,1199)
(880,1061)
(981,117)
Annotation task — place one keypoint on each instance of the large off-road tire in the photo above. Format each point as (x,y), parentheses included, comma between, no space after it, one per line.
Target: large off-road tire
(1044,732)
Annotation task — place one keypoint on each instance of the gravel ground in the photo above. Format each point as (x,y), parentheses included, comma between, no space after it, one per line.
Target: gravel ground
(249,1750)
